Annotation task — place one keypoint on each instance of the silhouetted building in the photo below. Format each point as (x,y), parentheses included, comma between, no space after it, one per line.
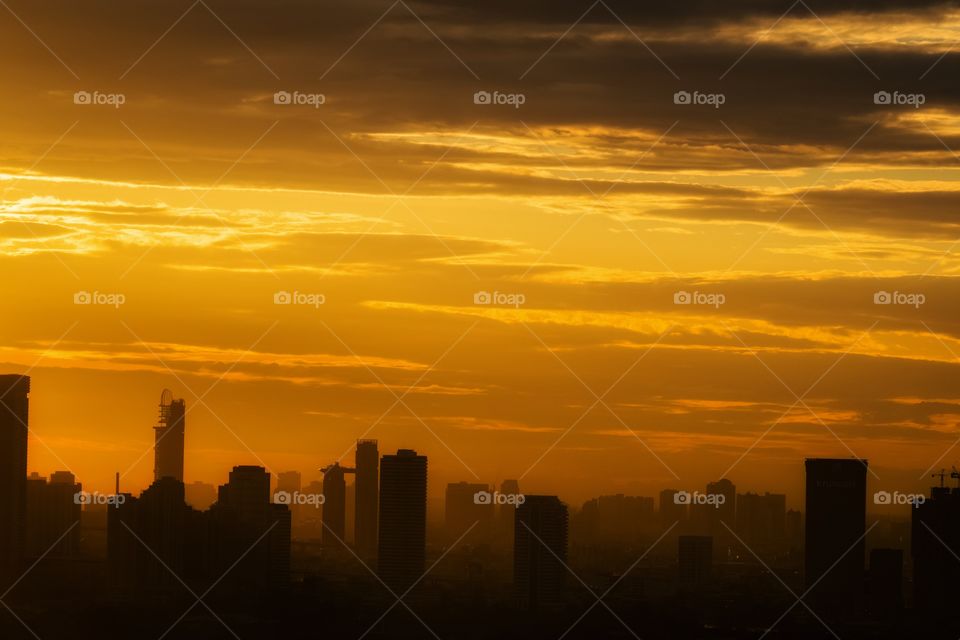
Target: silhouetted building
(935,538)
(53,513)
(540,551)
(794,530)
(148,538)
(367,487)
(761,519)
(885,582)
(14,418)
(468,505)
(694,560)
(288,486)
(836,503)
(505,513)
(334,505)
(169,438)
(200,495)
(251,531)
(401,549)
(510,487)
(721,518)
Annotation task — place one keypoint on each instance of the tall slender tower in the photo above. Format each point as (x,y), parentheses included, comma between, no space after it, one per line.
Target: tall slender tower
(367,498)
(169,433)
(540,551)
(14,410)
(334,504)
(836,503)
(401,551)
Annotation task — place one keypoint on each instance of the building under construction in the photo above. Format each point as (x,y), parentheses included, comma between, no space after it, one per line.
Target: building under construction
(169,432)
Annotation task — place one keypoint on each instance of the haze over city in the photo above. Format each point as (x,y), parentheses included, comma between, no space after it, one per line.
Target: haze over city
(574,249)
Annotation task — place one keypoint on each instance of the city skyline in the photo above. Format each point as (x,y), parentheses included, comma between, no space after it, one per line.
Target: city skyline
(436,497)
(254,539)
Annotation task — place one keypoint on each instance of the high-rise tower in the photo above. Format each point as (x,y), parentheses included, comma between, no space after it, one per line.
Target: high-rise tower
(169,434)
(367,498)
(334,504)
(836,503)
(540,551)
(14,409)
(403,518)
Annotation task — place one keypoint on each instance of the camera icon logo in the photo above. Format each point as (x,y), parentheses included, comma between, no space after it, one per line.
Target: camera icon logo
(882,497)
(682,97)
(882,97)
(282,97)
(281,497)
(482,297)
(282,297)
(681,497)
(82,97)
(82,297)
(682,297)
(482,97)
(482,497)
(882,297)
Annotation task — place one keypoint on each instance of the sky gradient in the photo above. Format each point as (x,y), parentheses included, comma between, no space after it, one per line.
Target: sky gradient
(597,200)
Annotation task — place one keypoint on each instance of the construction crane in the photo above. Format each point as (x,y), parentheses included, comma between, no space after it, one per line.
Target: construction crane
(336,468)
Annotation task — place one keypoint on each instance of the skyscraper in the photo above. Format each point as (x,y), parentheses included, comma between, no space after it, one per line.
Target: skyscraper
(169,437)
(247,525)
(722,514)
(53,516)
(836,505)
(761,519)
(401,551)
(334,505)
(694,560)
(934,538)
(506,513)
(367,464)
(540,551)
(14,410)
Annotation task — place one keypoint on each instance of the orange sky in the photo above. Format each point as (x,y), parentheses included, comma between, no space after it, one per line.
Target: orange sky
(594,202)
